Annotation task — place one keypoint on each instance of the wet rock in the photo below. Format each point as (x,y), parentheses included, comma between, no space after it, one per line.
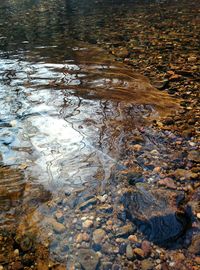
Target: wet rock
(116,267)
(42,265)
(98,235)
(147,265)
(122,248)
(162,84)
(146,247)
(167,182)
(134,177)
(107,265)
(129,252)
(17,266)
(156,214)
(195,245)
(126,230)
(87,204)
(194,156)
(26,243)
(88,259)
(59,216)
(120,52)
(133,238)
(87,224)
(106,208)
(139,252)
(109,248)
(183,174)
(58,227)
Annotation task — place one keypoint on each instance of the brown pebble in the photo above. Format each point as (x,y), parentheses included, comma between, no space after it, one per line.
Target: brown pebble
(146,247)
(139,252)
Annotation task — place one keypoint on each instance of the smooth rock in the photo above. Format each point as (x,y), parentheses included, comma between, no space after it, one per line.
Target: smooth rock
(147,265)
(129,252)
(194,156)
(139,252)
(87,224)
(146,247)
(87,204)
(125,230)
(88,259)
(57,227)
(98,235)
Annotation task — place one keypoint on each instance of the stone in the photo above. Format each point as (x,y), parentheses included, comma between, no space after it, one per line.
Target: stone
(139,252)
(147,265)
(167,182)
(161,84)
(107,265)
(59,216)
(194,156)
(195,245)
(57,227)
(182,174)
(126,230)
(121,52)
(98,236)
(42,265)
(87,224)
(17,266)
(116,267)
(88,259)
(122,248)
(105,208)
(133,238)
(146,247)
(87,204)
(129,252)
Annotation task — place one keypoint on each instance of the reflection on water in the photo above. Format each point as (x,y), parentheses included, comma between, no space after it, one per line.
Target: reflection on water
(66,121)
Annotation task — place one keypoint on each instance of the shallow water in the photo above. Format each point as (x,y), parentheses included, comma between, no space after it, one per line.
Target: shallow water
(67,110)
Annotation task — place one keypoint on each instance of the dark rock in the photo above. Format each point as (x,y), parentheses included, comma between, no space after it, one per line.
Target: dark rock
(122,248)
(156,215)
(134,177)
(88,259)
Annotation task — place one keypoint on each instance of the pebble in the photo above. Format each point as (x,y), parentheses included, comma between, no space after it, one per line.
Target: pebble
(133,238)
(129,252)
(88,259)
(87,204)
(58,227)
(194,156)
(146,247)
(125,230)
(147,265)
(139,252)
(98,236)
(87,224)
(16,252)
